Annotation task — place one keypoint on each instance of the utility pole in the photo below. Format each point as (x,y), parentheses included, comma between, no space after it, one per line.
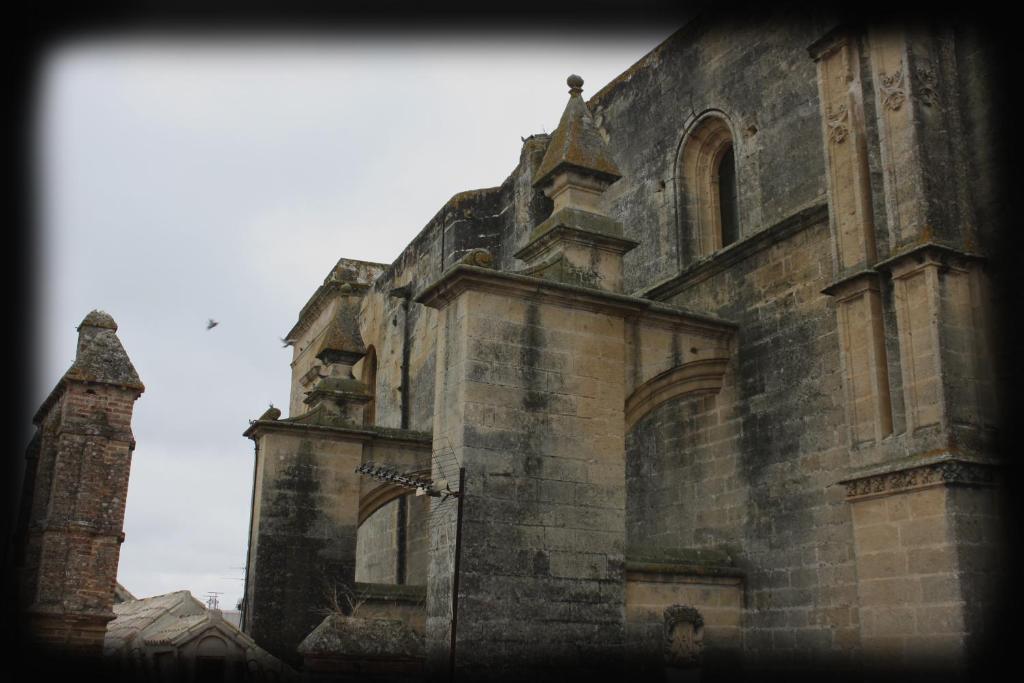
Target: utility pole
(455,573)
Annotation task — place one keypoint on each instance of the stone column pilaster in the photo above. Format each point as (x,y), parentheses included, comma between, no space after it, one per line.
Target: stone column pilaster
(857,290)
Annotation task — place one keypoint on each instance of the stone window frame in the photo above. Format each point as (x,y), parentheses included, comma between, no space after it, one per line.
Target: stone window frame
(701,149)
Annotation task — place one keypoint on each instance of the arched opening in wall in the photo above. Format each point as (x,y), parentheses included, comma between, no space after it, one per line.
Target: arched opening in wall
(391,541)
(669,508)
(210,659)
(369,378)
(709,189)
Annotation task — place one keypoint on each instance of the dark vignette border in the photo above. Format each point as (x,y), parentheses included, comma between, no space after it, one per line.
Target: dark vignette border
(40,29)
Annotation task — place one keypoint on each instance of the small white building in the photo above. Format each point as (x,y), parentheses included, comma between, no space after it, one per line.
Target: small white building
(174,637)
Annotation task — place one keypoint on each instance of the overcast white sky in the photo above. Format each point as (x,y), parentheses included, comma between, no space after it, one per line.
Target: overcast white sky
(186,181)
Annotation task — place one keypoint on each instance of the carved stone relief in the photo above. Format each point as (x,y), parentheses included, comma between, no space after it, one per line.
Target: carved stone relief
(684,636)
(945,472)
(837,124)
(893,89)
(925,86)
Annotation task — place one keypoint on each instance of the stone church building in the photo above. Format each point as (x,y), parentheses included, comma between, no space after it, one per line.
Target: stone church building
(717,359)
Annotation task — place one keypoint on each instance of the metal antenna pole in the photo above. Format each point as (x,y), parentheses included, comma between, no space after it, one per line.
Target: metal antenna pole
(455,576)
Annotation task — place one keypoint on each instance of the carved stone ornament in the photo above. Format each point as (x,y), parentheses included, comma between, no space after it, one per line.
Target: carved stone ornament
(894,92)
(481,258)
(684,636)
(837,123)
(925,86)
(957,472)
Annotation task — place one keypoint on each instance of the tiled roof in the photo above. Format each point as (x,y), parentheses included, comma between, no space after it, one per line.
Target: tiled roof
(177,618)
(122,594)
(175,628)
(135,617)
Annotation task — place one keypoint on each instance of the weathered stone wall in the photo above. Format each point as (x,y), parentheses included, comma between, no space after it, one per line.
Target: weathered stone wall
(533,411)
(864,339)
(924,568)
(384,554)
(388,601)
(979,525)
(377,546)
(305,519)
(303,536)
(910,602)
(760,79)
(498,219)
(717,598)
(754,469)
(751,470)
(417,540)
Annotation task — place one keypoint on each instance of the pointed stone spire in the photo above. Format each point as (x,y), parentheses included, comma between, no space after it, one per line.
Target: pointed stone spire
(94,323)
(578,244)
(100,356)
(576,145)
(341,342)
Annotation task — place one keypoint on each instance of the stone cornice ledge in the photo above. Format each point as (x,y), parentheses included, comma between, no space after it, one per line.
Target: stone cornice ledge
(462,277)
(842,286)
(831,41)
(810,215)
(940,252)
(367,434)
(910,474)
(686,570)
(569,233)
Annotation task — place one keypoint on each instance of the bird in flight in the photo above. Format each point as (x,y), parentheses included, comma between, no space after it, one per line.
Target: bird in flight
(211,324)
(285,343)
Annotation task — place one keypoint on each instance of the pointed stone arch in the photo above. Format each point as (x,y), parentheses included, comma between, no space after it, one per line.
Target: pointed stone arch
(380,496)
(689,379)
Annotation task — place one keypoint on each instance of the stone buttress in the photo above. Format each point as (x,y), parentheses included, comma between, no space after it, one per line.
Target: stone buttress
(306,493)
(538,374)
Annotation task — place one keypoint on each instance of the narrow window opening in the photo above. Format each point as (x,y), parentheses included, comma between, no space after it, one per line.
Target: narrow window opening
(709,200)
(369,378)
(727,197)
(400,529)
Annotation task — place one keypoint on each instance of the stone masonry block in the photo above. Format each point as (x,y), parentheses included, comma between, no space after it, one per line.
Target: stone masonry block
(877,537)
(924,531)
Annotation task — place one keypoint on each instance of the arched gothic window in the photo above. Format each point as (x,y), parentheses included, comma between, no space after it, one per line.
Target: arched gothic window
(709,190)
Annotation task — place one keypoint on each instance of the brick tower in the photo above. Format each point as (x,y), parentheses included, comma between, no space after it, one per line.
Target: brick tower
(73,496)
